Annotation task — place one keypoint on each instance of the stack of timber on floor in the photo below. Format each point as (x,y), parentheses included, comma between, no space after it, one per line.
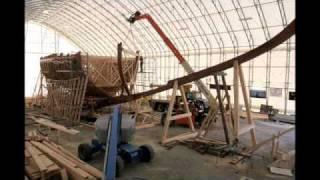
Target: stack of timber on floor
(284,165)
(284,118)
(255,115)
(45,159)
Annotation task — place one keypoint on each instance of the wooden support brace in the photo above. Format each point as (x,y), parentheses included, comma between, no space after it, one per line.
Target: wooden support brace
(169,117)
(248,109)
(180,116)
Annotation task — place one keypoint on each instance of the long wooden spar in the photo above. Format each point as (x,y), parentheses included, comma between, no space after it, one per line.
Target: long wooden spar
(281,37)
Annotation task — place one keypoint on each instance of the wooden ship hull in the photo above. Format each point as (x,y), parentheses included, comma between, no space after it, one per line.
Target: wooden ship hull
(102,71)
(73,79)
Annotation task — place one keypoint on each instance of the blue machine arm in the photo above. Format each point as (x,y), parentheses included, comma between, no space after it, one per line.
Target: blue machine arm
(111,145)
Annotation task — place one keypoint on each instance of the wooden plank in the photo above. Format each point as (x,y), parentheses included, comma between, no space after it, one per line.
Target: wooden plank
(63,99)
(68,155)
(56,126)
(186,108)
(84,86)
(35,156)
(180,116)
(32,168)
(281,171)
(254,115)
(143,126)
(74,170)
(166,123)
(180,137)
(71,98)
(75,100)
(79,99)
(222,110)
(64,175)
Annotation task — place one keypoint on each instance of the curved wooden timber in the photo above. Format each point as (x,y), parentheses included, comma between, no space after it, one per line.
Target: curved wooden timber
(281,37)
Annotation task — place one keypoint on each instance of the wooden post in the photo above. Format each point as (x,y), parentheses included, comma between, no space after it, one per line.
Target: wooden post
(236,97)
(248,108)
(186,107)
(167,121)
(246,102)
(170,118)
(222,110)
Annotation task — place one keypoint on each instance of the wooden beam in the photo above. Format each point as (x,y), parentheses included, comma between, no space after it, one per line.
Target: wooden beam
(56,126)
(281,37)
(222,110)
(143,126)
(246,102)
(35,154)
(67,155)
(186,107)
(169,112)
(72,168)
(64,175)
(180,116)
(180,137)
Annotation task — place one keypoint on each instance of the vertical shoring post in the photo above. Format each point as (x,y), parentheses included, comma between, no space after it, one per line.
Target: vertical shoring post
(222,110)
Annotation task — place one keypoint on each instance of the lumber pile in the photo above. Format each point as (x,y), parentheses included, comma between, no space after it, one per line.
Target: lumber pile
(211,146)
(284,165)
(255,116)
(56,126)
(251,150)
(45,159)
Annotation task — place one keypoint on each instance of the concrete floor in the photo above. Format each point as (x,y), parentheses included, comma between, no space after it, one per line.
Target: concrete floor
(181,162)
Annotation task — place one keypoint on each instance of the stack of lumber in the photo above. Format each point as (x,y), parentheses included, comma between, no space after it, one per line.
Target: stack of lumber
(255,115)
(45,159)
(284,118)
(284,165)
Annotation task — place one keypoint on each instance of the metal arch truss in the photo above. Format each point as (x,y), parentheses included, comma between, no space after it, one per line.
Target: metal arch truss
(231,28)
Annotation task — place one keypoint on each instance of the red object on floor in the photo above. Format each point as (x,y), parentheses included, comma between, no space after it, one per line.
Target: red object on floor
(184,121)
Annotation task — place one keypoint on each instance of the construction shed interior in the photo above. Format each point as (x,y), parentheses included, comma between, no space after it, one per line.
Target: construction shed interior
(160,89)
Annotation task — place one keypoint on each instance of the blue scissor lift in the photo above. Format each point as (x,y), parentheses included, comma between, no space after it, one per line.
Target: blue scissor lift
(117,153)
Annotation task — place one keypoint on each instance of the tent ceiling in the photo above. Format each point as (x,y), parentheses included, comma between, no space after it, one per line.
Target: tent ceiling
(203,26)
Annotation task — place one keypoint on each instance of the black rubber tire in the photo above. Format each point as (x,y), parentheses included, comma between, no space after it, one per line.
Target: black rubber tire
(119,166)
(147,153)
(84,152)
